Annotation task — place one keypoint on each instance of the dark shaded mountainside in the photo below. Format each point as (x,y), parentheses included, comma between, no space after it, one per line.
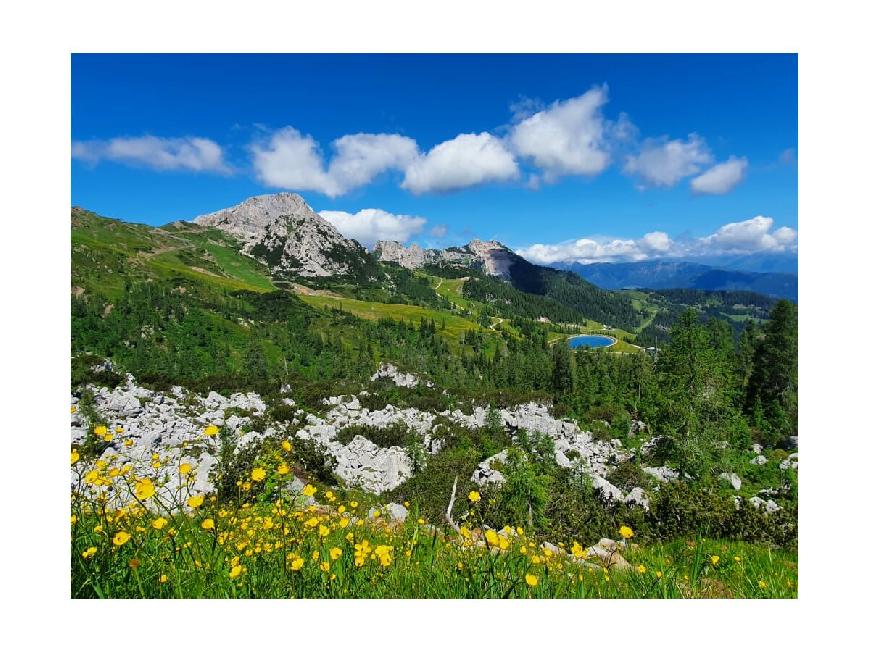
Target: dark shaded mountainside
(666,275)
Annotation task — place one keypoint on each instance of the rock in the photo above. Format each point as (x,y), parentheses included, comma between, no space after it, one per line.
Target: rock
(757,449)
(638,497)
(396,511)
(768,506)
(661,473)
(484,474)
(733,479)
(391,372)
(607,551)
(606,491)
(758,460)
(284,232)
(791,462)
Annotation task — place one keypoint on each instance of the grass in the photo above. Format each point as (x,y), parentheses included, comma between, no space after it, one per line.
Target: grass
(454,326)
(163,540)
(280,551)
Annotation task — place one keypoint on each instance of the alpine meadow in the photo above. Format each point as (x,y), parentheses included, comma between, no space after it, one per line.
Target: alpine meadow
(467,392)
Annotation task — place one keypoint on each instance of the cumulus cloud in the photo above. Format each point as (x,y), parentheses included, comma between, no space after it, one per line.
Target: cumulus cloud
(294,161)
(721,178)
(566,138)
(195,154)
(755,235)
(372,224)
(662,162)
(750,236)
(467,160)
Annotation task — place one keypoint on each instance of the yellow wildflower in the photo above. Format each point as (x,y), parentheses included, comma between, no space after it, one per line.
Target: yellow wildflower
(144,489)
(100,431)
(308,490)
(762,584)
(384,555)
(90,552)
(324,566)
(159,523)
(283,469)
(531,580)
(208,524)
(334,553)
(258,474)
(73,519)
(235,571)
(164,579)
(210,430)
(121,538)
(195,501)
(323,531)
(577,550)
(287,446)
(491,537)
(297,564)
(72,409)
(626,532)
(714,559)
(641,569)
(74,457)
(473,496)
(185,468)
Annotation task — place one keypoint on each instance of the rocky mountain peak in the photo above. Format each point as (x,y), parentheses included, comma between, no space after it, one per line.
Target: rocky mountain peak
(284,232)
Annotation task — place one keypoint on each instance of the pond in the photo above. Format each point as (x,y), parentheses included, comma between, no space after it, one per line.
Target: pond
(590,341)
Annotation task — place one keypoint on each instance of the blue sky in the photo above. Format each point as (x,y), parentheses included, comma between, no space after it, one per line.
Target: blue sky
(574,157)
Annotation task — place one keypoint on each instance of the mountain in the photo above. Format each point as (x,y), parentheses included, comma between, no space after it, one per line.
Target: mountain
(491,257)
(285,233)
(667,274)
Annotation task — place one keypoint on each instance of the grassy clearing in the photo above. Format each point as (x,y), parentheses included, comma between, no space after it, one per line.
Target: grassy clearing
(281,549)
(454,326)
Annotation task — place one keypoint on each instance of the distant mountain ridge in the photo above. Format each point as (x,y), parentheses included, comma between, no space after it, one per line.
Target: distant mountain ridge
(490,256)
(665,274)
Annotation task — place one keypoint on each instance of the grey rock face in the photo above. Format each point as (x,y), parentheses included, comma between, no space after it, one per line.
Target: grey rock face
(662,473)
(638,497)
(484,474)
(493,257)
(286,234)
(733,479)
(768,506)
(758,460)
(391,372)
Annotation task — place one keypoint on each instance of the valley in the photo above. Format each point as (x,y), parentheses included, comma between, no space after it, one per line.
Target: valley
(255,367)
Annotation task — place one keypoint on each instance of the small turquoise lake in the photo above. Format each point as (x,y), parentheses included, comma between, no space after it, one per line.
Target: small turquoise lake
(590,341)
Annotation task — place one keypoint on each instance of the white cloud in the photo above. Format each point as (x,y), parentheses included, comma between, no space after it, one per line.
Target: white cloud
(467,160)
(582,250)
(196,154)
(657,242)
(566,138)
(665,162)
(721,178)
(294,161)
(361,157)
(438,231)
(372,224)
(751,236)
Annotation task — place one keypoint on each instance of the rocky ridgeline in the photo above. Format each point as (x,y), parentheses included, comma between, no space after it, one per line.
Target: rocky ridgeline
(493,257)
(285,233)
(171,426)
